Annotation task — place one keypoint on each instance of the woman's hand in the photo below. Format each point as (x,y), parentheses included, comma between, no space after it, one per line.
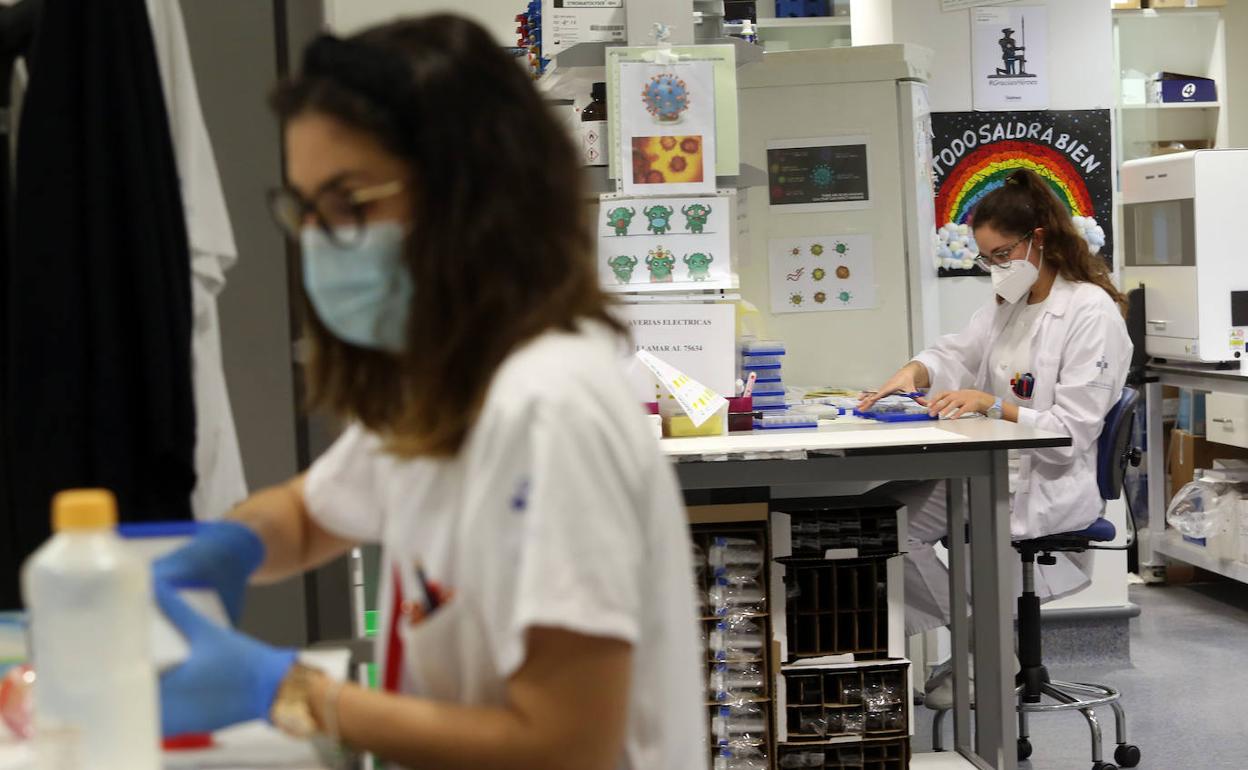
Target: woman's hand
(229,678)
(906,380)
(953,404)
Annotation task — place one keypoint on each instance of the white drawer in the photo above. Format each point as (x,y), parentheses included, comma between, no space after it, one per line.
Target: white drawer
(1227,419)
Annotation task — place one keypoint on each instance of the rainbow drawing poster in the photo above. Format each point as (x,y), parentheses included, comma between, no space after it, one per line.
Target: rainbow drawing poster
(974,152)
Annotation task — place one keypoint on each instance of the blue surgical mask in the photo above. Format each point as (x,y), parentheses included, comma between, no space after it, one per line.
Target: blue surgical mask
(361,293)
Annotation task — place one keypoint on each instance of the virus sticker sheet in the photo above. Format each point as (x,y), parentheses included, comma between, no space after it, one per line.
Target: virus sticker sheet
(821,273)
(667,127)
(665,244)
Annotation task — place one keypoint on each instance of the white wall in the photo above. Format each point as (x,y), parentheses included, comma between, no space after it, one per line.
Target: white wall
(1235,90)
(1081,62)
(498,16)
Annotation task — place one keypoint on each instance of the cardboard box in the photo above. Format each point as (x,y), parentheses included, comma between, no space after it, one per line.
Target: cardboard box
(1183,4)
(1188,452)
(1119,5)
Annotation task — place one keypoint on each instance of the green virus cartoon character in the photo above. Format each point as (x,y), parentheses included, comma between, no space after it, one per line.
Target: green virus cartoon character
(795,300)
(623,266)
(620,219)
(821,297)
(818,274)
(822,175)
(816,249)
(696,216)
(841,248)
(660,219)
(845,297)
(699,266)
(661,263)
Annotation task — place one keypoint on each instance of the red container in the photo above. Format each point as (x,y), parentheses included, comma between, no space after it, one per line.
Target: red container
(741,414)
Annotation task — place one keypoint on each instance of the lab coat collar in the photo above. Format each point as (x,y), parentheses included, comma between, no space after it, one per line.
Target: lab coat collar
(1059,297)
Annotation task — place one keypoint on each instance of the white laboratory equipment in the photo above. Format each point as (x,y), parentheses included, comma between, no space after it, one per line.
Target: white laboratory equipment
(89,598)
(1183,242)
(806,116)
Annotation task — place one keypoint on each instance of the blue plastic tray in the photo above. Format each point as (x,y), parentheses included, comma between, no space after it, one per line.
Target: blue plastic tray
(896,416)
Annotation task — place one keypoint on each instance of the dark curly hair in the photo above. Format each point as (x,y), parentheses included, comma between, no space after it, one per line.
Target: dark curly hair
(502,250)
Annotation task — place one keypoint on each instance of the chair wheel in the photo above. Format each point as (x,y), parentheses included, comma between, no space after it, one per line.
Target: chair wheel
(1127,755)
(1104,766)
(1024,749)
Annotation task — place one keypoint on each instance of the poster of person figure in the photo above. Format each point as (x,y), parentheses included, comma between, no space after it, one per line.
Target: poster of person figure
(1010,58)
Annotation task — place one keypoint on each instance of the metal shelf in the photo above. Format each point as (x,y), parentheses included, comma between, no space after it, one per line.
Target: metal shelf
(1166,13)
(1172,106)
(803,22)
(595,54)
(1173,546)
(945,760)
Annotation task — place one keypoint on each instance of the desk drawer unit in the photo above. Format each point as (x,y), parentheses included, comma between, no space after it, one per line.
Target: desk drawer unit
(1227,419)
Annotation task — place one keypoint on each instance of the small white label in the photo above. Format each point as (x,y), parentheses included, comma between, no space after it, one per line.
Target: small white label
(594,142)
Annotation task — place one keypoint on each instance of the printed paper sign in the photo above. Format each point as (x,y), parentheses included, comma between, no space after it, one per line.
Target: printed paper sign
(697,338)
(667,127)
(665,244)
(814,175)
(699,402)
(822,273)
(568,22)
(1010,58)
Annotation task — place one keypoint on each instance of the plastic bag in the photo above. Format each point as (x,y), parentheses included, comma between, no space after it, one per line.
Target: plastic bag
(1202,508)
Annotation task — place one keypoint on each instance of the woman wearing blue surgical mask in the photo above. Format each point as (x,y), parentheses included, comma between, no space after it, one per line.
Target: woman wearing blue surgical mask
(536,605)
(1050,350)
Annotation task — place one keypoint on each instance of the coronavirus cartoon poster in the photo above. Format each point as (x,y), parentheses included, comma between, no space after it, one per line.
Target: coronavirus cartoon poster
(820,273)
(667,127)
(723,62)
(665,244)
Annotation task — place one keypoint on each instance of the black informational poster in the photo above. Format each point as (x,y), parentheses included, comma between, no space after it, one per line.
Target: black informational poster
(818,175)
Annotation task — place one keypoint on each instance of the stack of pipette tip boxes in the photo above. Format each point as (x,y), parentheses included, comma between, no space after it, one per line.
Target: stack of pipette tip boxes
(764,359)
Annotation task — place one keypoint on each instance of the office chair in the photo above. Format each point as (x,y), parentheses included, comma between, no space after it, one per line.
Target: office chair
(1114,454)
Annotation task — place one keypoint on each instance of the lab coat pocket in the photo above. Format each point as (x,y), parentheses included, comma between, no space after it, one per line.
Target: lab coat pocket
(434,650)
(1046,374)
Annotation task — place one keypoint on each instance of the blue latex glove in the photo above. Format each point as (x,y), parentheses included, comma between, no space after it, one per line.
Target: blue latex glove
(229,678)
(222,555)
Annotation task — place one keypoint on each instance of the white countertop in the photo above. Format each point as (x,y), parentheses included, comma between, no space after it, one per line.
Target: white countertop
(853,435)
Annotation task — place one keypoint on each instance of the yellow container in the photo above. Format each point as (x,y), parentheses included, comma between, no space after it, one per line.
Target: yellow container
(680,426)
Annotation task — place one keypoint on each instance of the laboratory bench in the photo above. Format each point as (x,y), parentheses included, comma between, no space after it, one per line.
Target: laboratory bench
(1227,420)
(847,456)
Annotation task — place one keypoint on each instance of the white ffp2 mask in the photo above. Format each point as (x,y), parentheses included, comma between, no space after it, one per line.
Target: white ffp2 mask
(1012,283)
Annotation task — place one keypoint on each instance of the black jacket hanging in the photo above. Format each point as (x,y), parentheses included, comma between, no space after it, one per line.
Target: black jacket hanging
(97,328)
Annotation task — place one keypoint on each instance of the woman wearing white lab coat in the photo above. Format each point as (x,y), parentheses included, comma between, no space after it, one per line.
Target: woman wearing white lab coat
(1049,350)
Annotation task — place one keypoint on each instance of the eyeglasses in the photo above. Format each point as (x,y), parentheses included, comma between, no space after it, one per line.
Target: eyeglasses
(339,213)
(1000,257)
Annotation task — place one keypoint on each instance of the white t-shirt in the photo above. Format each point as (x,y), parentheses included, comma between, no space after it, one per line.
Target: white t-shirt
(1011,368)
(559,512)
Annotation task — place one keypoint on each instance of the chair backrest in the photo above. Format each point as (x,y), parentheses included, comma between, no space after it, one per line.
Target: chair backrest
(1114,443)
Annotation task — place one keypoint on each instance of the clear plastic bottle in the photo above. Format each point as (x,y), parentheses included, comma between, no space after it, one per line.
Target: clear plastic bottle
(90,604)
